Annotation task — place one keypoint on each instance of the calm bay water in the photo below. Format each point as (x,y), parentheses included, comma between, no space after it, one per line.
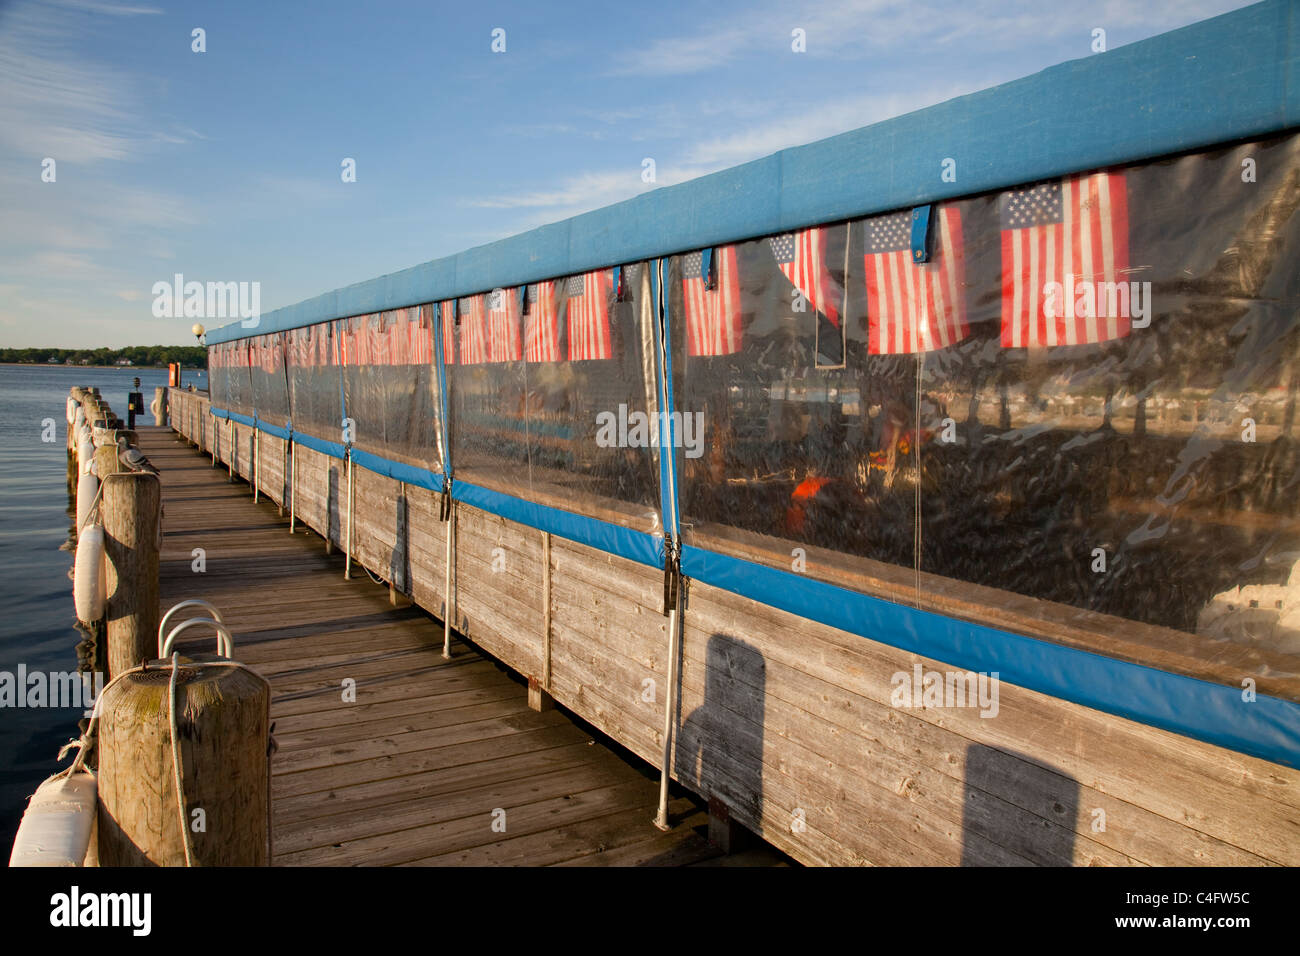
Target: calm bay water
(37,622)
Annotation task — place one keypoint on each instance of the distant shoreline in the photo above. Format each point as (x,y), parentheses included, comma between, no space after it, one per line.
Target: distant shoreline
(111,368)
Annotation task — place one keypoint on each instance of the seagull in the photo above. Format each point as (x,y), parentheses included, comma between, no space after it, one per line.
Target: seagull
(132,459)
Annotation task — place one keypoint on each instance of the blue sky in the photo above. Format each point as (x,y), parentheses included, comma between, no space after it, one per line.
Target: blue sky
(225,165)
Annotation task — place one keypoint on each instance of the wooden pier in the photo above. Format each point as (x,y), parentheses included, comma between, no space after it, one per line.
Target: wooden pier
(419,768)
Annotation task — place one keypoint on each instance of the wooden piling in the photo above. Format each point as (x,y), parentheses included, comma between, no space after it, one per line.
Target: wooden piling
(222,714)
(131,513)
(160,404)
(106,461)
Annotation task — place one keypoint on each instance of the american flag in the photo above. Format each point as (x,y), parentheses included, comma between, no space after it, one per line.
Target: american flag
(421,331)
(588,315)
(406,334)
(802,257)
(541,324)
(321,353)
(1076,228)
(504,344)
(447,319)
(346,343)
(273,354)
(473,331)
(360,344)
(712,313)
(914,306)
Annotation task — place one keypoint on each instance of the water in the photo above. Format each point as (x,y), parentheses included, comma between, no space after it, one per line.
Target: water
(37,622)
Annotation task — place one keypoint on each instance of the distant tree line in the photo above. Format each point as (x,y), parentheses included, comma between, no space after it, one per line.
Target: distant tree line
(148,356)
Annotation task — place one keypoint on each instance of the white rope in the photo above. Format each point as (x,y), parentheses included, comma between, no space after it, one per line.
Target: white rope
(176,758)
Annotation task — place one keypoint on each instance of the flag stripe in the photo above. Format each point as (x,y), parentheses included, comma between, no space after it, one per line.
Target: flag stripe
(914,307)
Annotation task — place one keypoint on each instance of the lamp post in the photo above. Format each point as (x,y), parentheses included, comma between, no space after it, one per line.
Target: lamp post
(198,330)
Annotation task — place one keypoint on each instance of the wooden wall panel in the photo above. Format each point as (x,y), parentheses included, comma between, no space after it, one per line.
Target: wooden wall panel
(792,723)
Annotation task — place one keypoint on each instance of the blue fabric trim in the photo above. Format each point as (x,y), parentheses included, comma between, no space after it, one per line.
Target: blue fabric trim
(1228,78)
(219,412)
(249,420)
(275,430)
(921,233)
(398,470)
(1268,727)
(602,535)
(331,448)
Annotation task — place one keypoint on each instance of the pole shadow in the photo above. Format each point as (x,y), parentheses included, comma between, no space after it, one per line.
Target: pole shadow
(998,785)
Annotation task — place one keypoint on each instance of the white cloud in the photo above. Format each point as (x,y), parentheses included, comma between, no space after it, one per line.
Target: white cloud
(860,28)
(56,102)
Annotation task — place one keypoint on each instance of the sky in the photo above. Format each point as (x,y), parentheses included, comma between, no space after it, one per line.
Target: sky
(226,165)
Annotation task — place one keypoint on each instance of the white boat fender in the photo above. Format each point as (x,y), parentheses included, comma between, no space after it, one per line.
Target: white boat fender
(88,574)
(72,410)
(85,452)
(55,829)
(87,492)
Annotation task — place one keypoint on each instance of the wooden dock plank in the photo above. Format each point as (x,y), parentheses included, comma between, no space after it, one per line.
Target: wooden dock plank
(413,768)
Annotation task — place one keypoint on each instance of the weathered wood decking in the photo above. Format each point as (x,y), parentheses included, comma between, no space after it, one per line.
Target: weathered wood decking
(412,771)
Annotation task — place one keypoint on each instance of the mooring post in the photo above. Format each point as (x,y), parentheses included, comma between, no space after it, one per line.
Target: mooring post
(131,513)
(180,743)
(160,403)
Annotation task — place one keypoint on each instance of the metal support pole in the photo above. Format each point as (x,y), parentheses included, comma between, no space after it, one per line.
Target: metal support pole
(257,458)
(293,474)
(674,641)
(449,604)
(672,539)
(347,564)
